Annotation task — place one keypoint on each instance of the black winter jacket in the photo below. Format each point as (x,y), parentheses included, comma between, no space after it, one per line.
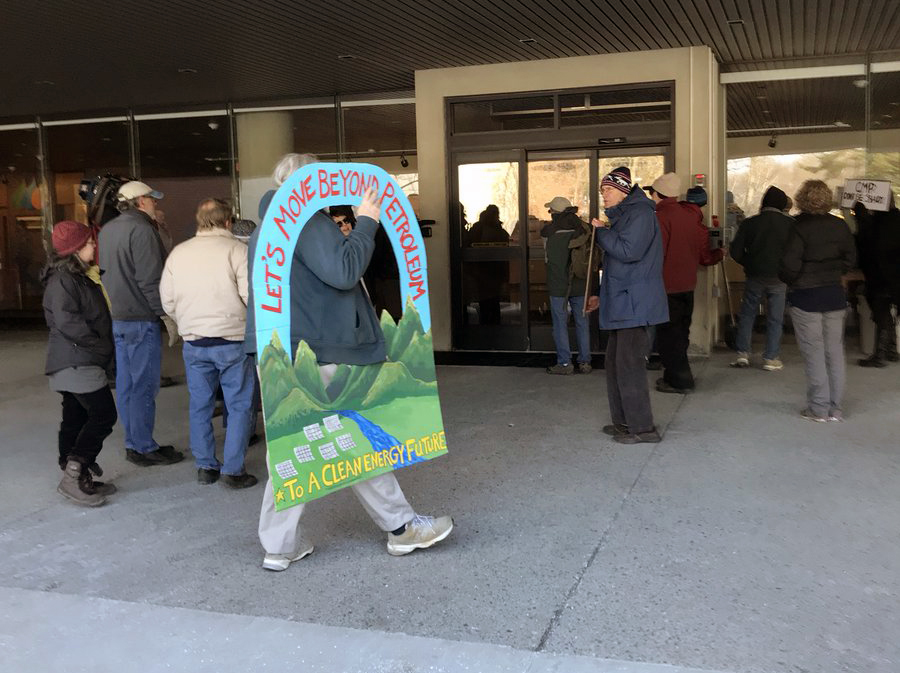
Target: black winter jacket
(78,318)
(878,245)
(819,251)
(759,243)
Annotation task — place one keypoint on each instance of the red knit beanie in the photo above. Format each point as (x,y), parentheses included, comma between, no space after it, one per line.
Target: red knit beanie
(69,237)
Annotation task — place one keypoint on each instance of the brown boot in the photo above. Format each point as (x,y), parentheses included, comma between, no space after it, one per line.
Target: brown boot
(70,486)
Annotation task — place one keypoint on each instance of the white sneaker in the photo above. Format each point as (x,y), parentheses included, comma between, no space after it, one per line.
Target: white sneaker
(742,361)
(772,365)
(279,562)
(421,532)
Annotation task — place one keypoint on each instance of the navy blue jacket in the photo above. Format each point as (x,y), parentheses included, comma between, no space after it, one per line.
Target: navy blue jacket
(632,293)
(330,310)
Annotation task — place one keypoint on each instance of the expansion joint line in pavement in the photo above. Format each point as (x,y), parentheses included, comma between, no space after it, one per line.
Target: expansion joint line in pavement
(557,615)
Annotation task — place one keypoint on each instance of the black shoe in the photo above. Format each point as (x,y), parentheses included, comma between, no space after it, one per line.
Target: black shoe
(254,438)
(871,361)
(167,381)
(164,455)
(615,429)
(892,357)
(239,480)
(664,386)
(205,476)
(654,364)
(651,437)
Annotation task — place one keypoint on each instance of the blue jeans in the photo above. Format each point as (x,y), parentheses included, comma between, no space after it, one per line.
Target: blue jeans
(558,312)
(755,290)
(206,368)
(138,364)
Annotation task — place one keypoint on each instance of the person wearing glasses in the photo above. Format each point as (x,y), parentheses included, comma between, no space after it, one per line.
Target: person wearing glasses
(344,218)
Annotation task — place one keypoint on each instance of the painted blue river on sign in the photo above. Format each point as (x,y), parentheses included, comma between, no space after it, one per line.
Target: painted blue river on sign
(380,439)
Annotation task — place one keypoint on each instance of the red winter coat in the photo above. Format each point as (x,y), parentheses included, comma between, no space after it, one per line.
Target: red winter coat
(685,242)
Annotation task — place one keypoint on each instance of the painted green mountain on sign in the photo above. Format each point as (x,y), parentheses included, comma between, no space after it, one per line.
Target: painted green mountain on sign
(292,392)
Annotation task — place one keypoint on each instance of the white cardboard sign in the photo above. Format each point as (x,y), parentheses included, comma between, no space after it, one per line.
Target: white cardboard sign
(873,194)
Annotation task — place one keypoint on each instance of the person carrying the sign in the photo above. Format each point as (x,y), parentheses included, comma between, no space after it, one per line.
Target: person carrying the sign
(331,312)
(632,297)
(819,251)
(565,290)
(204,289)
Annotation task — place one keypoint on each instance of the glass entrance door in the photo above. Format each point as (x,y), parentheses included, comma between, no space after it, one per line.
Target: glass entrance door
(500,295)
(565,174)
(489,279)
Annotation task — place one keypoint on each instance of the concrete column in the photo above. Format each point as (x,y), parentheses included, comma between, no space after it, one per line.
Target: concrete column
(262,139)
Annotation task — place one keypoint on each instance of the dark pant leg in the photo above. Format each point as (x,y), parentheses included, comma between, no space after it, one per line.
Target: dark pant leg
(673,339)
(100,412)
(74,416)
(880,304)
(631,349)
(616,412)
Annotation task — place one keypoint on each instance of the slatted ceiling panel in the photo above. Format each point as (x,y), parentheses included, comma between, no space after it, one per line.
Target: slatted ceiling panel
(128,53)
(797,103)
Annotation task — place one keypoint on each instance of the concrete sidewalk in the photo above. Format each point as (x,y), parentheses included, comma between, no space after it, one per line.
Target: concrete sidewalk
(750,540)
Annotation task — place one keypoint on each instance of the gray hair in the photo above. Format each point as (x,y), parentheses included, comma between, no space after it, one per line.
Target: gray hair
(128,204)
(290,163)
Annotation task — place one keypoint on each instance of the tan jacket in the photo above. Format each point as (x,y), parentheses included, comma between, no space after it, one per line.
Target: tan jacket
(204,286)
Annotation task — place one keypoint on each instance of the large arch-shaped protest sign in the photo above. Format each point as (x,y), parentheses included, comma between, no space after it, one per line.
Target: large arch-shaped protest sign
(370,418)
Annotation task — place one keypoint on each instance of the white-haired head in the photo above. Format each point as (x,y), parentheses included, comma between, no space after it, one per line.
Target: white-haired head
(290,163)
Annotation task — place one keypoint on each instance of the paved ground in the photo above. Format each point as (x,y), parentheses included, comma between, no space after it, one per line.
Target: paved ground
(748,541)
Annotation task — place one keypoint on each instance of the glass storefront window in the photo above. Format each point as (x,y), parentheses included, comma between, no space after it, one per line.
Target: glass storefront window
(77,152)
(568,177)
(22,232)
(315,132)
(644,169)
(504,114)
(784,132)
(884,152)
(376,129)
(187,159)
(489,194)
(617,106)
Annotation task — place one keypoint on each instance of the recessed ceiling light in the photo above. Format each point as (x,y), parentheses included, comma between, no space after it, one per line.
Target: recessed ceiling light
(527,40)
(766,112)
(187,71)
(45,82)
(196,133)
(106,140)
(735,22)
(346,57)
(861,83)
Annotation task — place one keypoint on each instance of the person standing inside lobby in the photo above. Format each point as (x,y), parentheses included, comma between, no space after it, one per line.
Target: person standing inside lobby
(632,298)
(131,262)
(566,292)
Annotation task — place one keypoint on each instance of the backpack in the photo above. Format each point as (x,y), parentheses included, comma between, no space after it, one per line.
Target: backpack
(583,264)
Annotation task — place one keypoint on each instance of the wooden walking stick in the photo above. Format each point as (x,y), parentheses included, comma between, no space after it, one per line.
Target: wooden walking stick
(587,280)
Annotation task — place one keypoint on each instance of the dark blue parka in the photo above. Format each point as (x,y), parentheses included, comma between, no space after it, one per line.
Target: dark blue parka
(632,293)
